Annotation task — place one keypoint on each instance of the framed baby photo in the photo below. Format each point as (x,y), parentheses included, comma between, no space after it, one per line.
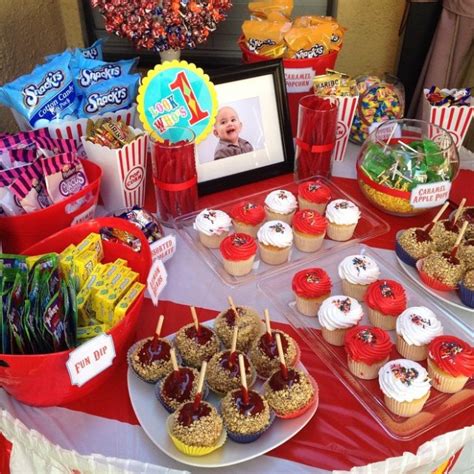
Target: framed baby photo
(251,139)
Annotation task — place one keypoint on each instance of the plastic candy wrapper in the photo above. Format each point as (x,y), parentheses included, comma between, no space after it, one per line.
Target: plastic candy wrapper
(111,133)
(9,206)
(145,221)
(89,72)
(121,236)
(272,10)
(64,176)
(337,31)
(92,52)
(47,93)
(265,37)
(334,83)
(438,97)
(109,96)
(380,99)
(309,42)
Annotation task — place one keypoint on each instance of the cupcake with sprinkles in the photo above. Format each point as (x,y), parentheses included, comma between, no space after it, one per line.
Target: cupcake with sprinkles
(466,289)
(450,363)
(309,229)
(416,328)
(280,205)
(342,216)
(336,315)
(405,385)
(311,287)
(385,300)
(247,217)
(212,227)
(238,253)
(368,349)
(275,239)
(357,272)
(313,195)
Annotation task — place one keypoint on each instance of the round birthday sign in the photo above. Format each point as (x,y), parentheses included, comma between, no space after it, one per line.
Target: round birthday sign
(174,96)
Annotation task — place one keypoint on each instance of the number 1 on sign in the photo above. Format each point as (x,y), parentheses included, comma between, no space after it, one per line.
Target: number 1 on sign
(181,82)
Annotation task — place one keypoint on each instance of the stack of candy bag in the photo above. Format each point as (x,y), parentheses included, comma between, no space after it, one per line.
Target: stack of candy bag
(37,171)
(271,33)
(70,85)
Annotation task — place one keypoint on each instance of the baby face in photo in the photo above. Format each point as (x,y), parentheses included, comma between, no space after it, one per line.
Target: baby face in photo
(228,125)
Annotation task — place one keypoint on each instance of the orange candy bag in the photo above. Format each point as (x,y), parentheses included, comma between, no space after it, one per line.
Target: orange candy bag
(308,42)
(265,37)
(271,10)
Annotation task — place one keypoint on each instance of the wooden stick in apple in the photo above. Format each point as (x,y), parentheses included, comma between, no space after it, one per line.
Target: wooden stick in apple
(267,324)
(195,319)
(459,210)
(202,376)
(243,379)
(436,218)
(454,250)
(281,355)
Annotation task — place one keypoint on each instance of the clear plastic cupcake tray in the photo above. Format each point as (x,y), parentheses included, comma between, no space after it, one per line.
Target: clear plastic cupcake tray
(369,226)
(439,407)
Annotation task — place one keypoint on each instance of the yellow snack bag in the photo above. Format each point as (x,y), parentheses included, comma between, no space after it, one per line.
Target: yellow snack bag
(265,37)
(307,43)
(264,9)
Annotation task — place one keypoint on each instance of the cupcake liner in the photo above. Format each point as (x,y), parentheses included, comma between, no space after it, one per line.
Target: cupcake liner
(405,409)
(309,306)
(238,267)
(130,351)
(334,337)
(170,409)
(314,206)
(431,281)
(274,256)
(194,450)
(340,233)
(365,371)
(275,216)
(403,255)
(313,401)
(354,290)
(241,227)
(249,438)
(466,295)
(308,243)
(444,382)
(212,241)
(381,320)
(411,352)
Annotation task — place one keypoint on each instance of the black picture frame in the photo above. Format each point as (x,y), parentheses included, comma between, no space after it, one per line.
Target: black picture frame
(282,121)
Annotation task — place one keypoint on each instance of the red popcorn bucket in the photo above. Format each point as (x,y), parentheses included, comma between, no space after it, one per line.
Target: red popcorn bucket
(20,232)
(430,281)
(77,128)
(43,379)
(454,119)
(124,171)
(299,74)
(345,115)
(174,173)
(316,137)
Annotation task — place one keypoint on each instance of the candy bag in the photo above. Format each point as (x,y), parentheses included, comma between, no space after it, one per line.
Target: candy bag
(15,308)
(265,9)
(265,37)
(310,42)
(109,96)
(89,72)
(29,188)
(22,138)
(9,203)
(64,176)
(55,146)
(45,94)
(92,52)
(336,31)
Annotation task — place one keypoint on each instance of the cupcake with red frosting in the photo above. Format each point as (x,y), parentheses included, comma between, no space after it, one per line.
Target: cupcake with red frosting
(368,349)
(309,229)
(450,363)
(311,287)
(247,218)
(386,299)
(238,253)
(313,195)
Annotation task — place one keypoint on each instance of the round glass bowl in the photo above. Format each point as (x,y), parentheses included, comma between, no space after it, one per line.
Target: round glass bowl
(404,159)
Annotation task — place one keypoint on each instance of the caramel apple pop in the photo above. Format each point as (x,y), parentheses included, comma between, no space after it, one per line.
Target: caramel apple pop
(243,380)
(435,219)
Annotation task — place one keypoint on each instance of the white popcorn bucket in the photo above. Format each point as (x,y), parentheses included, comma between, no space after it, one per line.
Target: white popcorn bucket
(124,171)
(77,128)
(345,114)
(455,119)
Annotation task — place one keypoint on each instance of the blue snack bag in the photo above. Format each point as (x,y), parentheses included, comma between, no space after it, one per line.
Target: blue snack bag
(47,93)
(92,52)
(89,72)
(109,96)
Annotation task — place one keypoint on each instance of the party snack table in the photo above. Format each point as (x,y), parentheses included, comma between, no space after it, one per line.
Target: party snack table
(341,435)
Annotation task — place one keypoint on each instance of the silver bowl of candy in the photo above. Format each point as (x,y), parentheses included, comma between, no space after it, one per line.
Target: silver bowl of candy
(405,167)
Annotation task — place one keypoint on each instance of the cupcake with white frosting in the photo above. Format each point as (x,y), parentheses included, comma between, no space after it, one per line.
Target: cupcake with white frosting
(405,385)
(212,226)
(416,328)
(336,315)
(280,205)
(274,241)
(342,216)
(357,272)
